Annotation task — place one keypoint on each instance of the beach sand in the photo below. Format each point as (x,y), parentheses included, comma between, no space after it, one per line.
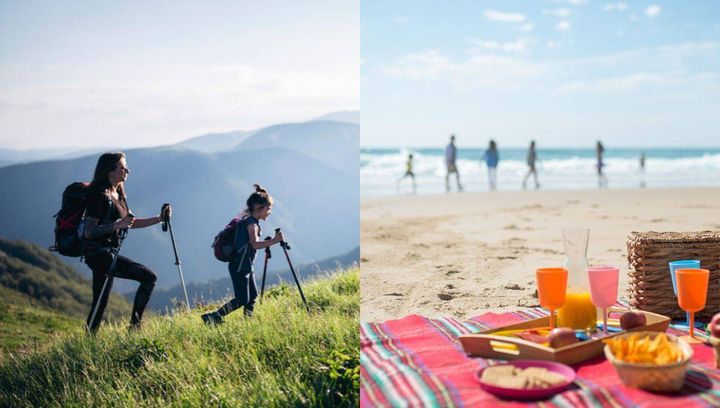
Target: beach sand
(463,254)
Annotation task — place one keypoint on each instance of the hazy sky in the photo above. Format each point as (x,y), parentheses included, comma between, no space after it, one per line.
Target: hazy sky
(138,73)
(564,72)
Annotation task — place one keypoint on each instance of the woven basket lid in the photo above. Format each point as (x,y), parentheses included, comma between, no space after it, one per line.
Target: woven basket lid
(653,237)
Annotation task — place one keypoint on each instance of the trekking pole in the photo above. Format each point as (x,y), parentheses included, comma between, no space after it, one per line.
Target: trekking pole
(108,275)
(166,224)
(285,246)
(268,255)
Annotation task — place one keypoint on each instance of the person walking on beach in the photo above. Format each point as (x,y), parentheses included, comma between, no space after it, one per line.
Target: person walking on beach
(599,151)
(106,216)
(247,242)
(408,173)
(642,162)
(491,158)
(450,158)
(642,169)
(531,159)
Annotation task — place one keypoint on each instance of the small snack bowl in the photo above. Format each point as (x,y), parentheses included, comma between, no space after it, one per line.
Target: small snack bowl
(667,377)
(526,385)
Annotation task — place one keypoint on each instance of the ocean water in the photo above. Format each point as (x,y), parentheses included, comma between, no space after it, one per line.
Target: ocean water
(558,169)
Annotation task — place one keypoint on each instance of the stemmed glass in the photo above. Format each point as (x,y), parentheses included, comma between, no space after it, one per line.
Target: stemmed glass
(682,264)
(552,284)
(603,288)
(692,286)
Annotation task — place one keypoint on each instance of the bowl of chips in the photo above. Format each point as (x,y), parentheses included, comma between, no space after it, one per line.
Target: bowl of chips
(525,379)
(653,361)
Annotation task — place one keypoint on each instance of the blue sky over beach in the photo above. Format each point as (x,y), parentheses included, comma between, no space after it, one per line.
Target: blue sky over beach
(563,72)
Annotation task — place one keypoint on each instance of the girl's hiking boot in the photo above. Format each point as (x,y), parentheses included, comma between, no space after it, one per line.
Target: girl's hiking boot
(212,318)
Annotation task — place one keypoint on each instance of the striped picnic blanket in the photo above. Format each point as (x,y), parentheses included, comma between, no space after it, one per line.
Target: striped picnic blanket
(417,361)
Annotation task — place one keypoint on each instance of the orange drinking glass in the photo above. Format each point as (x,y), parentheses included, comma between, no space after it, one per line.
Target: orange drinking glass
(552,284)
(692,286)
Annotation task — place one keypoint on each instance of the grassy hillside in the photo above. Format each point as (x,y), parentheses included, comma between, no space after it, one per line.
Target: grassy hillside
(24,326)
(283,356)
(48,282)
(215,289)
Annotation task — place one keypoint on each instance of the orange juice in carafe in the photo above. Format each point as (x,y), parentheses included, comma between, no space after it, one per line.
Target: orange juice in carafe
(578,312)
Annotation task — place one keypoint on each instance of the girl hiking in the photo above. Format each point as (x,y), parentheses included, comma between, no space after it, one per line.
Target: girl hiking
(247,243)
(107,218)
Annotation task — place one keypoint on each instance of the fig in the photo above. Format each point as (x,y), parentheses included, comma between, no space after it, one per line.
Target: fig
(562,336)
(631,319)
(715,326)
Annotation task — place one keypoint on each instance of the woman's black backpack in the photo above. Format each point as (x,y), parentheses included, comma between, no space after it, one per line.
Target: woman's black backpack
(69,220)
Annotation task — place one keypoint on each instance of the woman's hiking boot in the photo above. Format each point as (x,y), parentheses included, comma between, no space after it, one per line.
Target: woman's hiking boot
(212,318)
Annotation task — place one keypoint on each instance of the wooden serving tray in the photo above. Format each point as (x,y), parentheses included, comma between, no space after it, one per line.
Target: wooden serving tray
(487,345)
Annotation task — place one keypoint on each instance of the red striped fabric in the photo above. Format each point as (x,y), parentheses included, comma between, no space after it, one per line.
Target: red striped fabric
(418,362)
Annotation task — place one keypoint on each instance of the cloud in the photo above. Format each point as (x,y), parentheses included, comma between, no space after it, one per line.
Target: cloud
(521,44)
(494,15)
(573,2)
(528,27)
(652,11)
(400,19)
(563,25)
(559,12)
(619,6)
(665,68)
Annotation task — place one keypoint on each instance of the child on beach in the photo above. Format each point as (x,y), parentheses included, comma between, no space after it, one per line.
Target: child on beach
(247,243)
(408,173)
(492,158)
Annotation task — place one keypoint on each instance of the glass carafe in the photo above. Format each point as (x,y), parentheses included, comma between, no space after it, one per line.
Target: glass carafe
(579,312)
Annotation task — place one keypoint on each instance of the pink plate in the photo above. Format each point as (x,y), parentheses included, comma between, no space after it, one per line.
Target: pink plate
(538,393)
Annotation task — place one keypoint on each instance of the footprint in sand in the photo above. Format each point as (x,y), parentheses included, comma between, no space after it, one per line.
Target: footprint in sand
(394,294)
(514,286)
(450,286)
(451,272)
(446,296)
(511,227)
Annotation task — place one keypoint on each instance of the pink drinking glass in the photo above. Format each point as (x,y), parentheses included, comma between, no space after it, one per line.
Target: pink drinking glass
(603,288)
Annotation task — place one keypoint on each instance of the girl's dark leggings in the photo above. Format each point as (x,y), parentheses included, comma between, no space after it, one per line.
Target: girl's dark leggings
(125,268)
(245,290)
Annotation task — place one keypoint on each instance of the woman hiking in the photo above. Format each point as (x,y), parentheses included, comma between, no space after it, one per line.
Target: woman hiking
(107,216)
(247,243)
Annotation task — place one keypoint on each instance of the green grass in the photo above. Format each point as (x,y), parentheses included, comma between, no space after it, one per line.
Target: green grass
(282,356)
(25,327)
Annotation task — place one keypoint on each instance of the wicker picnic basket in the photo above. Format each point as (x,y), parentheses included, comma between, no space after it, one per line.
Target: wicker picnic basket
(649,282)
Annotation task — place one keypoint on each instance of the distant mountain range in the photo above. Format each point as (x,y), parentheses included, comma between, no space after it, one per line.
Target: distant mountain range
(341,116)
(311,169)
(209,143)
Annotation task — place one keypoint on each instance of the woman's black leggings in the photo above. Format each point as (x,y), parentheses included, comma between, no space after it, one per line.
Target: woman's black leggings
(125,268)
(245,290)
